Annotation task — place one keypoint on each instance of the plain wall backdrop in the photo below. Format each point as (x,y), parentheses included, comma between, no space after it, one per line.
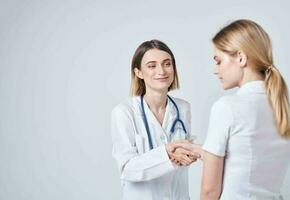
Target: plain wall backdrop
(65,64)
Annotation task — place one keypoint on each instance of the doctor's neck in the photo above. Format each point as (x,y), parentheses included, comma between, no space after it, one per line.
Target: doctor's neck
(156,100)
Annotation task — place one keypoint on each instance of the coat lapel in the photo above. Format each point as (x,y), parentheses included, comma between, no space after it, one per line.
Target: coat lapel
(159,133)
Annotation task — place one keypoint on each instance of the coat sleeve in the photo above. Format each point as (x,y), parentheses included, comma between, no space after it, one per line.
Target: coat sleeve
(133,166)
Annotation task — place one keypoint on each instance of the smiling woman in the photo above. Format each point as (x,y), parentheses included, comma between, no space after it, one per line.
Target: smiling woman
(147,126)
(152,55)
(157,70)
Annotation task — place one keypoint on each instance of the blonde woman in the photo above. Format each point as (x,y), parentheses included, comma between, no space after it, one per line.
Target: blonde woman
(146,126)
(246,152)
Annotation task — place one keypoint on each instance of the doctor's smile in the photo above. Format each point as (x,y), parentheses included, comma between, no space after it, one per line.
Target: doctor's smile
(162,79)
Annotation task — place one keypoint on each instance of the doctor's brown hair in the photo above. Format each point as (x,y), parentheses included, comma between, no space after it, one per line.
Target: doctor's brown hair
(138,87)
(251,38)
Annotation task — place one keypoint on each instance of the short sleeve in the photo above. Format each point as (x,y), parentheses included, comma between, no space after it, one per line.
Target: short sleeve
(220,124)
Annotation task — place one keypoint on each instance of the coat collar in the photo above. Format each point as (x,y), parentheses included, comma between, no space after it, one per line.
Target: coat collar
(170,113)
(138,110)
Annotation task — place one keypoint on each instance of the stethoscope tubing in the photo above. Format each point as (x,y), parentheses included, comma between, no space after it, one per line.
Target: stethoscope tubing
(144,117)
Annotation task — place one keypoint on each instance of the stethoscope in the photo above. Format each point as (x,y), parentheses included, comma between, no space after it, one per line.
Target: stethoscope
(172,127)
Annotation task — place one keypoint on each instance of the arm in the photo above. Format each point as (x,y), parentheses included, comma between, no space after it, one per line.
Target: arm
(212,176)
(215,147)
(132,165)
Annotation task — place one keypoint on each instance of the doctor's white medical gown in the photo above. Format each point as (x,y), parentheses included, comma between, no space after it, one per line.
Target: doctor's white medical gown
(148,174)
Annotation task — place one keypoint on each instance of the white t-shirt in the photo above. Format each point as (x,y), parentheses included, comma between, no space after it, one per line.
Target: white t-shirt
(242,128)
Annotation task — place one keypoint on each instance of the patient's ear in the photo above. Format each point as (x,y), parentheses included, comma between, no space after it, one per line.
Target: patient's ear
(242,58)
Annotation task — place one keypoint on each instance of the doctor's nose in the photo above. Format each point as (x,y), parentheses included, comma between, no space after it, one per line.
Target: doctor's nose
(160,69)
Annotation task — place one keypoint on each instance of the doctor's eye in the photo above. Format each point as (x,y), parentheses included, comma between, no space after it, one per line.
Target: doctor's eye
(168,64)
(151,66)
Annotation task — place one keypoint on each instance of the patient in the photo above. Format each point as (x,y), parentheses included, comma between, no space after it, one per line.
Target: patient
(246,152)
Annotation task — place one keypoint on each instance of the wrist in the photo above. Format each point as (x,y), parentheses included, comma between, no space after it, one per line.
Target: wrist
(170,149)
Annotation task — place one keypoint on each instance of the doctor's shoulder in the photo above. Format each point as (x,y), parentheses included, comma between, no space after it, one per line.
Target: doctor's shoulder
(182,104)
(126,107)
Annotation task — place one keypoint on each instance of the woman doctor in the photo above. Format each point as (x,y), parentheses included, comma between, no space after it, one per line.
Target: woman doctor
(146,126)
(247,147)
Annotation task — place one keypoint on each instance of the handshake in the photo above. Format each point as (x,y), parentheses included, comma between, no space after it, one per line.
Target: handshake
(183,152)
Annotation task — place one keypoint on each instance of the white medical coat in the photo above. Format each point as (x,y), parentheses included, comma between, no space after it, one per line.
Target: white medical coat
(148,174)
(242,128)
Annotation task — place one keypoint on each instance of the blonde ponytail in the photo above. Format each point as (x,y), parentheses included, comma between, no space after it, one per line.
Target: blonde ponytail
(277,92)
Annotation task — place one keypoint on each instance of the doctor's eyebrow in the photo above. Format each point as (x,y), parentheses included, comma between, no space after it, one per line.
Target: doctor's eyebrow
(166,60)
(150,62)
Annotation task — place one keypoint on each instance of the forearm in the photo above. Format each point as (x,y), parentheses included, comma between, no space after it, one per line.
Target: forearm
(210,194)
(212,177)
(147,166)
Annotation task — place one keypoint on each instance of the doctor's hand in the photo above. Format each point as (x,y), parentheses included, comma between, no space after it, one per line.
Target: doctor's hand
(180,158)
(179,155)
(183,157)
(195,149)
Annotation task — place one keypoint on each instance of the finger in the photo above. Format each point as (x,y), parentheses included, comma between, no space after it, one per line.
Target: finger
(186,163)
(187,152)
(186,159)
(181,156)
(192,161)
(177,163)
(183,151)
(194,157)
(176,160)
(179,159)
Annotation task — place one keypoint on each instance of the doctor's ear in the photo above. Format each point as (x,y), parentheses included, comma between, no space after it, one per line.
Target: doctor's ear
(138,73)
(242,58)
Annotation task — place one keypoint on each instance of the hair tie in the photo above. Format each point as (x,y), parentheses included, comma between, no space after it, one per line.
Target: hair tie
(269,69)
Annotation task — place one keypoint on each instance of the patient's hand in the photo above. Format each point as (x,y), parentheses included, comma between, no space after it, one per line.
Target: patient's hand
(184,153)
(183,157)
(195,149)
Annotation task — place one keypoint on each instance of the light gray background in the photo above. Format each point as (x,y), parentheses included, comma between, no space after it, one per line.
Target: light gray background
(65,64)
